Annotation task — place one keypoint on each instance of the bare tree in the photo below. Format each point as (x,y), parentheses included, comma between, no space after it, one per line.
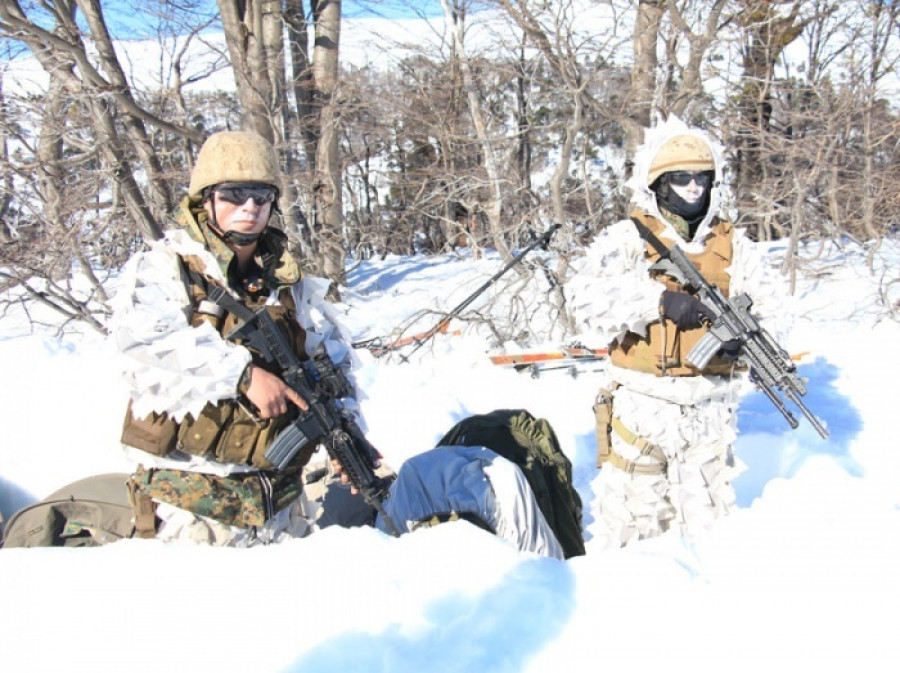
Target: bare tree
(458,141)
(75,193)
(766,32)
(879,61)
(647,29)
(553,34)
(315,117)
(455,14)
(327,187)
(688,90)
(254,34)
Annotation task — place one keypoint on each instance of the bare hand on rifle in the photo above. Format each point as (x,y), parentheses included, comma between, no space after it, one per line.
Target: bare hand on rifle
(270,395)
(338,470)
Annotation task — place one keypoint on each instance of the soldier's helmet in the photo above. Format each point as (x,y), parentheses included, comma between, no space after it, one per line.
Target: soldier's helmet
(681,153)
(234,156)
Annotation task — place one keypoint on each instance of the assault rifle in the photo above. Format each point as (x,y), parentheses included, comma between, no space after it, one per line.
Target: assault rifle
(322,385)
(771,368)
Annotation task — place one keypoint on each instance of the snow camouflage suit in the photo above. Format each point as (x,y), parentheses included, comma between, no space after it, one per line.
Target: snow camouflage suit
(200,452)
(664,441)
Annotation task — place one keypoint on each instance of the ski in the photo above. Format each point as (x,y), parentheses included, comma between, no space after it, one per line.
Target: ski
(378,346)
(570,359)
(573,360)
(573,368)
(522,360)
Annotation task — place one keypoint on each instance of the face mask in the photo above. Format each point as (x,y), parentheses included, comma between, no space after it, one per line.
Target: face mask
(687,209)
(669,200)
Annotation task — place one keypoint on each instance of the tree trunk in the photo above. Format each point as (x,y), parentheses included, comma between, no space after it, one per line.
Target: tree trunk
(303,83)
(767,35)
(491,207)
(643,74)
(158,193)
(243,25)
(328,186)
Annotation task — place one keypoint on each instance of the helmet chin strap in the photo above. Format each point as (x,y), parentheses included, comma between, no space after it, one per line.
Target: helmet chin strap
(235,237)
(239,238)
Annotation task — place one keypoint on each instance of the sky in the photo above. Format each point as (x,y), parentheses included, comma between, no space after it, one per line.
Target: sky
(126,23)
(370,34)
(138,19)
(801,575)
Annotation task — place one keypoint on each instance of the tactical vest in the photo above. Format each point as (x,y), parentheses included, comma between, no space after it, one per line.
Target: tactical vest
(662,351)
(226,432)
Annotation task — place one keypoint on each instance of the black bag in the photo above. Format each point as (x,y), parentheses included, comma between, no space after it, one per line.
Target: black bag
(532,445)
(86,513)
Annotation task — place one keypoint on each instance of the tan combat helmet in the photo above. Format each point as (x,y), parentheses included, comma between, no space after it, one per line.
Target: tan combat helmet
(681,153)
(234,156)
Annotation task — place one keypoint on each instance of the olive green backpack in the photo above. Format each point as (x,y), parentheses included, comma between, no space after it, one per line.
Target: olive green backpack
(532,445)
(86,513)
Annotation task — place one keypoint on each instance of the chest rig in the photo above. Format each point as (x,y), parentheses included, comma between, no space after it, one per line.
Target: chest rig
(661,351)
(227,431)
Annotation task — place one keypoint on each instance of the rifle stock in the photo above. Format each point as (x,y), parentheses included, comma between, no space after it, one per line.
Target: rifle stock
(771,367)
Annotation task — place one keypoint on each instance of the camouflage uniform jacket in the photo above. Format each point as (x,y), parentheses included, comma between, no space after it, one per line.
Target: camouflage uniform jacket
(183,375)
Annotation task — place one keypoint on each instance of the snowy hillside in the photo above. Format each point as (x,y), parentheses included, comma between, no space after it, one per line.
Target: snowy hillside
(802,576)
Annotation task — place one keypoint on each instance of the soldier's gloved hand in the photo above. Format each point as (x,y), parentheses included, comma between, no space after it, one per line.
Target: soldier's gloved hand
(730,350)
(685,310)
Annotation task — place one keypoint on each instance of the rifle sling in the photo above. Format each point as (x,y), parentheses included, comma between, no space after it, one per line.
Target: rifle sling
(650,237)
(220,296)
(606,421)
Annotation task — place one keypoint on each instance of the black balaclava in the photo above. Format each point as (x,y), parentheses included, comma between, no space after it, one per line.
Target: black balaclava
(668,200)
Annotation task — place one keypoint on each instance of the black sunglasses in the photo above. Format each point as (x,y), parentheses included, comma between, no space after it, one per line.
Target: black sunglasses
(683,178)
(238,194)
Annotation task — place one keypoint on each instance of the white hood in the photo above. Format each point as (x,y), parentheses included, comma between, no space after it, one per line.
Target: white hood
(645,199)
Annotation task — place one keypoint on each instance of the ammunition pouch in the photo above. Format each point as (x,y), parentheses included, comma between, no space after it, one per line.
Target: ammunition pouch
(145,523)
(225,432)
(156,434)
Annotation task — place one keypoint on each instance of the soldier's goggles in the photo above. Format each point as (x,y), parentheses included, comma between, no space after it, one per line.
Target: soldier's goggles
(238,194)
(683,178)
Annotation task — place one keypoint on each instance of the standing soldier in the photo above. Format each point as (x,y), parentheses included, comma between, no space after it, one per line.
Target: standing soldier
(203,409)
(664,428)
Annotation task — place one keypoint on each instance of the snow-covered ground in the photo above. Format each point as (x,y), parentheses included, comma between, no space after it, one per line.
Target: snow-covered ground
(803,575)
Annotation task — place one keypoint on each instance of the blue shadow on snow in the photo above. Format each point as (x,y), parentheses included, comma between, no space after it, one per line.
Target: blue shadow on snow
(496,631)
(13,498)
(366,278)
(771,449)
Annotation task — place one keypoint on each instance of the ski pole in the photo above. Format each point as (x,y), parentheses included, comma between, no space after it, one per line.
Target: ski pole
(542,241)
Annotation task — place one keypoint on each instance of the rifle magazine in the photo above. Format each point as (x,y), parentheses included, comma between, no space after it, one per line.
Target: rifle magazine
(285,446)
(704,350)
